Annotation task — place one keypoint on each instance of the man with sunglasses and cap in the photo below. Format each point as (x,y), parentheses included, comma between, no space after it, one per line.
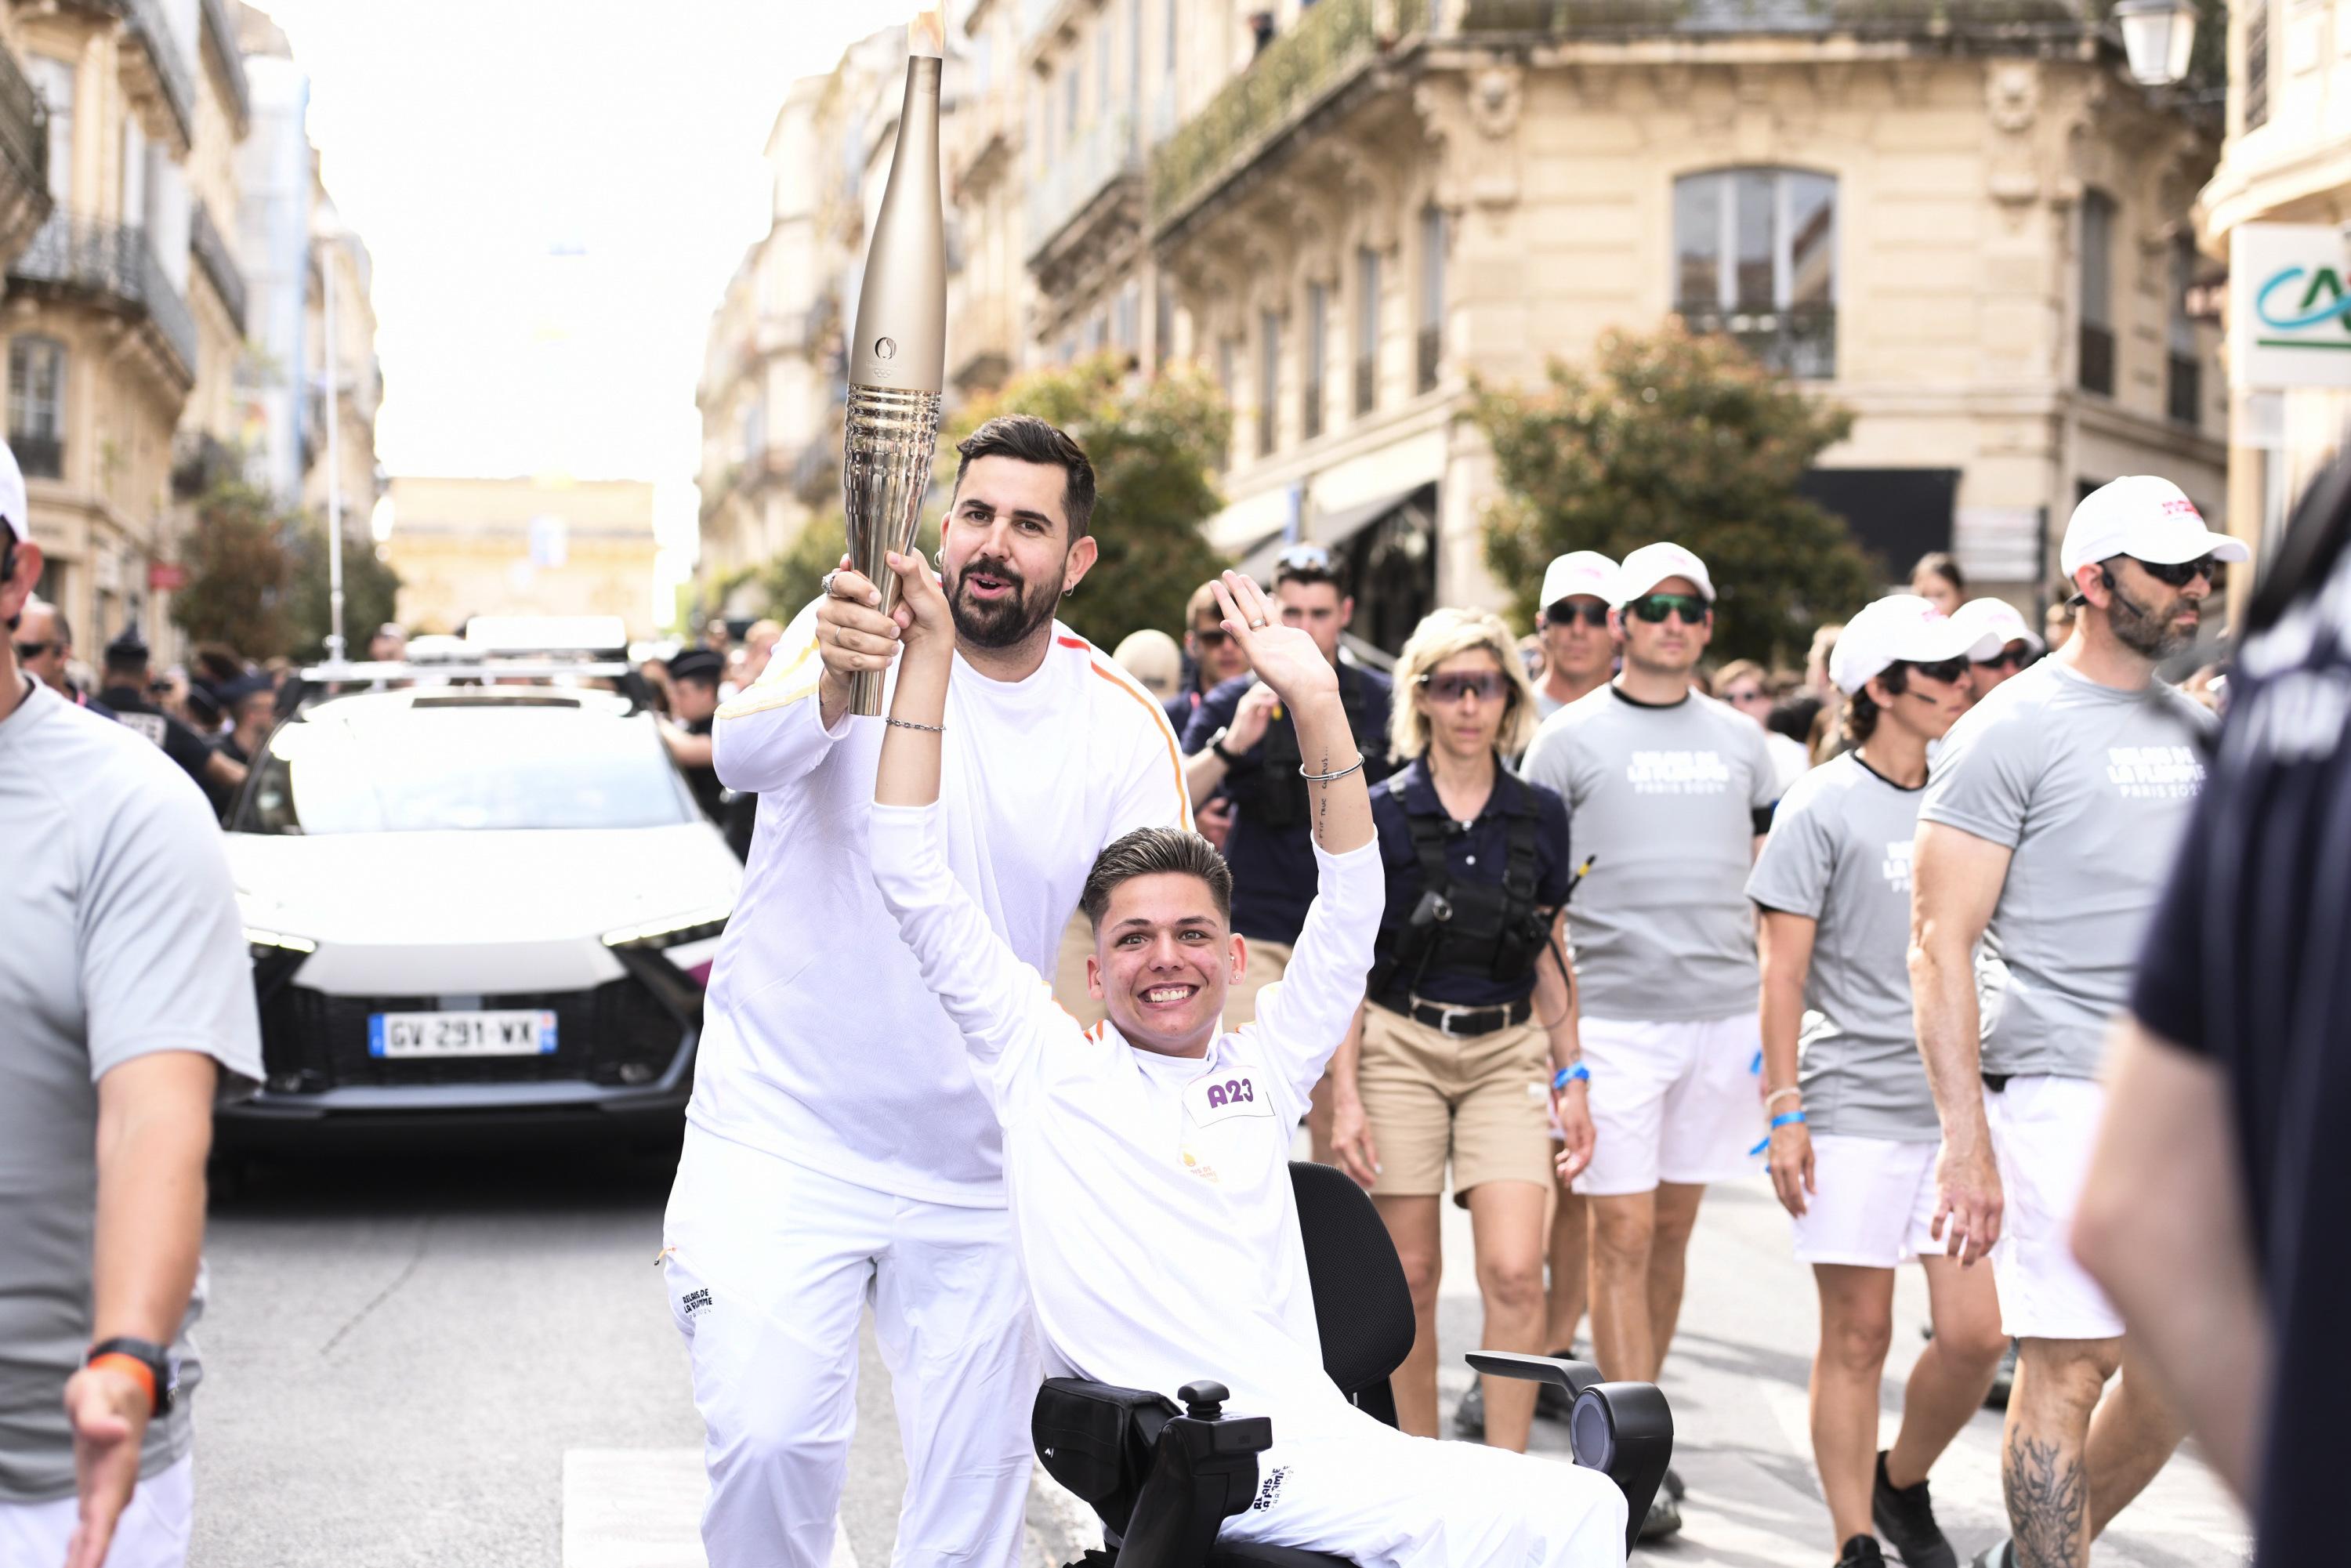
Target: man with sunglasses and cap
(2048,824)
(1242,741)
(1668,793)
(1579,651)
(2019,644)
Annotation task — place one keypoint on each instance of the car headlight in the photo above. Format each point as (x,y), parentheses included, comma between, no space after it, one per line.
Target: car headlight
(265,944)
(676,931)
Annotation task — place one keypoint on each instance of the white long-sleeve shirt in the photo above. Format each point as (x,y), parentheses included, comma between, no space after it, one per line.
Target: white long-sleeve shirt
(821,1044)
(1151,1194)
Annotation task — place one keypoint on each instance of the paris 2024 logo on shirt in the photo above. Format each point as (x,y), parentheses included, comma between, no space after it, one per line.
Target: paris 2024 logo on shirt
(1678,773)
(1896,866)
(2155,772)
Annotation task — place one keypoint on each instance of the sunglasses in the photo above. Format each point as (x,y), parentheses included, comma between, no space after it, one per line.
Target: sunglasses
(1742,699)
(1211,636)
(1490,685)
(1567,613)
(2180,573)
(2013,658)
(1306,558)
(1656,607)
(34,650)
(1943,670)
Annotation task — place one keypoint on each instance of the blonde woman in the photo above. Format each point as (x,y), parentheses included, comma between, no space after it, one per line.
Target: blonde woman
(1469,1035)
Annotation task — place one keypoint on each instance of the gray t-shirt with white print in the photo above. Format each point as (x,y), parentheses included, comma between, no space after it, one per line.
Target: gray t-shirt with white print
(1839,854)
(2090,788)
(1664,802)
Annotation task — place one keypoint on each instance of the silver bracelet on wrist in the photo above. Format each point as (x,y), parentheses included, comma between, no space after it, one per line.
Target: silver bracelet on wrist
(910,723)
(1327,778)
(1777,1095)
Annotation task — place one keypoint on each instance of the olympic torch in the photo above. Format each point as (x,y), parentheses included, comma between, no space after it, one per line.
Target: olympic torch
(898,359)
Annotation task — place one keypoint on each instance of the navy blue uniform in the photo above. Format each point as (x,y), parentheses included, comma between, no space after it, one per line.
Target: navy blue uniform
(1474,851)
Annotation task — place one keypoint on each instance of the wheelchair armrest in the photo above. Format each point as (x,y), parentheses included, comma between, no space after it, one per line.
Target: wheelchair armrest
(1624,1430)
(1163,1483)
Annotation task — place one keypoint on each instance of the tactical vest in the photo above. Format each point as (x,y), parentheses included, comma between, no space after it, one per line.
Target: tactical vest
(1493,930)
(1278,798)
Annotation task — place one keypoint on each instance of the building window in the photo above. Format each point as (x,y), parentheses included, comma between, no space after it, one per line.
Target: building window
(1318,358)
(2256,85)
(1268,379)
(1228,353)
(1070,101)
(54,80)
(1755,258)
(1129,323)
(2096,369)
(37,405)
(1430,339)
(1102,64)
(2183,388)
(1162,323)
(1367,329)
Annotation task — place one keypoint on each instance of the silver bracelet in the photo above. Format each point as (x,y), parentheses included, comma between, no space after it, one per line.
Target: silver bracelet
(910,723)
(1777,1095)
(1326,777)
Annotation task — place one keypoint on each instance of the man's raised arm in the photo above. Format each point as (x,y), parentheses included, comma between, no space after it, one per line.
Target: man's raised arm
(786,723)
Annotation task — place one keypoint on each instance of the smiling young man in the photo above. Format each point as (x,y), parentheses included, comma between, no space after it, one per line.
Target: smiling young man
(1148,1157)
(2049,824)
(1667,793)
(838,1150)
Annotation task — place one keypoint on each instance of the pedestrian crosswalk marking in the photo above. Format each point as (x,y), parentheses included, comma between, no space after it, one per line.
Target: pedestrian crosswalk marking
(642,1508)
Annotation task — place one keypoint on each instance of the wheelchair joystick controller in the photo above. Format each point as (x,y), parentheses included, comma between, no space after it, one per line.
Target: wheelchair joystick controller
(1204,1400)
(1203,1471)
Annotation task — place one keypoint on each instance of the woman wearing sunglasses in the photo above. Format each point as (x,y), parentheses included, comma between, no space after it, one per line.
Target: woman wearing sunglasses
(1853,1132)
(1468,1034)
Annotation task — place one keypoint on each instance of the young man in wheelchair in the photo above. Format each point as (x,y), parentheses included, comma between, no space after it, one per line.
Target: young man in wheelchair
(1147,1159)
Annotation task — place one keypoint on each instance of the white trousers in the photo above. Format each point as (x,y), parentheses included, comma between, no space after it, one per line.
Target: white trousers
(151,1534)
(1381,1500)
(769,1265)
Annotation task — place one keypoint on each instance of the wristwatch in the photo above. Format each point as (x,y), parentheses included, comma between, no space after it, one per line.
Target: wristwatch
(162,1375)
(1217,744)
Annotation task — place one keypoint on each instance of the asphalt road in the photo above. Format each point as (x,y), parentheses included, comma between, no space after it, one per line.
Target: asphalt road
(462,1358)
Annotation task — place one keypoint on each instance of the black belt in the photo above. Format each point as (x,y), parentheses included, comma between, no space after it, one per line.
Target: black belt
(1460,1022)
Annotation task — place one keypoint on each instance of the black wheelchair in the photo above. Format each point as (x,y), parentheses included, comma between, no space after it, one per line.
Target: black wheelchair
(1163,1480)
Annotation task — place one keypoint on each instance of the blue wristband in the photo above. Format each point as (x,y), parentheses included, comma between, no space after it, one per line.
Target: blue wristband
(1567,1075)
(1783,1119)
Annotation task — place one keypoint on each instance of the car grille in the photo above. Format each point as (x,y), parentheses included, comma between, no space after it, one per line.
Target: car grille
(618,1033)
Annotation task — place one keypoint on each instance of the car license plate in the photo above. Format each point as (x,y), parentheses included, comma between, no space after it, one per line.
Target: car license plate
(512,1032)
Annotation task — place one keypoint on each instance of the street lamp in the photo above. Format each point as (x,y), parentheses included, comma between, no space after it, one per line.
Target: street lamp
(2158,37)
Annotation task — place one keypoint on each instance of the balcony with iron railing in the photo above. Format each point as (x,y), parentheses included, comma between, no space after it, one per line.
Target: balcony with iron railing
(25,201)
(1075,174)
(1797,340)
(112,265)
(40,456)
(1950,19)
(215,261)
(220,32)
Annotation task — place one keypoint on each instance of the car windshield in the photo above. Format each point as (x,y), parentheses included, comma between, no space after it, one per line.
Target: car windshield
(438,767)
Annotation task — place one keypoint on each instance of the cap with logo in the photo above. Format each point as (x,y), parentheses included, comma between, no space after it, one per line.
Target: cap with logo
(1902,628)
(2146,518)
(1583,573)
(2002,619)
(1651,565)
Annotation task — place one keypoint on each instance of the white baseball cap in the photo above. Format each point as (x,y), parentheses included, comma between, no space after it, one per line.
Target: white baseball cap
(13,511)
(1578,573)
(1651,565)
(1902,627)
(2001,618)
(2146,517)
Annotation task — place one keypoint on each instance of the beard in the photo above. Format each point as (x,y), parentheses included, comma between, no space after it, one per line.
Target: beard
(2150,633)
(999,624)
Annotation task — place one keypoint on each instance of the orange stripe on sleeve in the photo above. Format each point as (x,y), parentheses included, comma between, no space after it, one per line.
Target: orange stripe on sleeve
(1159,722)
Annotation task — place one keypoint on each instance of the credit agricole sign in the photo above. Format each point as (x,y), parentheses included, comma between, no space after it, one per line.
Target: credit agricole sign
(2289,306)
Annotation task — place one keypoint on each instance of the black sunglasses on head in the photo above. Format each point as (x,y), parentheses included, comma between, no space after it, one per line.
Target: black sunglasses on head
(1567,613)
(2180,573)
(1656,607)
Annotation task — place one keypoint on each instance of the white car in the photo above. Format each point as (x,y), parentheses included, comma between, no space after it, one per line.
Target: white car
(475,902)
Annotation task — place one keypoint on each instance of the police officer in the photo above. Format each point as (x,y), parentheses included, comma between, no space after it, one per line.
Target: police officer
(126,692)
(1469,1032)
(694,680)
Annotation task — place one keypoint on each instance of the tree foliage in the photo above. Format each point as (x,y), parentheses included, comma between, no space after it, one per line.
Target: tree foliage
(238,573)
(370,589)
(1674,437)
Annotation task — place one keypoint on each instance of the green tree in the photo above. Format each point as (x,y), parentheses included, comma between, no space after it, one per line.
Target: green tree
(1154,443)
(238,573)
(1674,437)
(370,589)
(797,576)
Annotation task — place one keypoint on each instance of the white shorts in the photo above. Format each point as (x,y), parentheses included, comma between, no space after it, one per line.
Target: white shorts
(1876,1205)
(2043,1131)
(1671,1101)
(151,1534)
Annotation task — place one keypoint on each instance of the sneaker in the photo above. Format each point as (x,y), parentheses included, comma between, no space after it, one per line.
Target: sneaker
(1673,1487)
(2001,1555)
(1665,1517)
(1861,1551)
(1470,1415)
(2003,1380)
(1906,1518)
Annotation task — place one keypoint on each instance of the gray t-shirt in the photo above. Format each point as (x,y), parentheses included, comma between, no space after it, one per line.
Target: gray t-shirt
(1664,802)
(2091,788)
(123,939)
(1840,854)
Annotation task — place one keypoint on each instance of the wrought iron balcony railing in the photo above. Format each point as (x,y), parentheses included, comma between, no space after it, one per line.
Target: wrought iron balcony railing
(40,456)
(24,128)
(220,29)
(143,23)
(1623,18)
(213,258)
(1799,342)
(113,264)
(1076,173)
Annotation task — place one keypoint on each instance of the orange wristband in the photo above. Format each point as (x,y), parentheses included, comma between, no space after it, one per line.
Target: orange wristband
(137,1371)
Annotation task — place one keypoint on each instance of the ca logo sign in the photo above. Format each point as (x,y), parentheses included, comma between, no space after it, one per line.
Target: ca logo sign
(2321,300)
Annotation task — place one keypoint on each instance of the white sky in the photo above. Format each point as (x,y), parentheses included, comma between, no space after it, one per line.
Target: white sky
(555,192)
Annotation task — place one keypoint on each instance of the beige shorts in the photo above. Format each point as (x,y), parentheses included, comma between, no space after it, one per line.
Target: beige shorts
(1481,1103)
(1266,961)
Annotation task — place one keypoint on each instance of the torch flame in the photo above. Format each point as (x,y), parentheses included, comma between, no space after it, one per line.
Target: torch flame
(927,33)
